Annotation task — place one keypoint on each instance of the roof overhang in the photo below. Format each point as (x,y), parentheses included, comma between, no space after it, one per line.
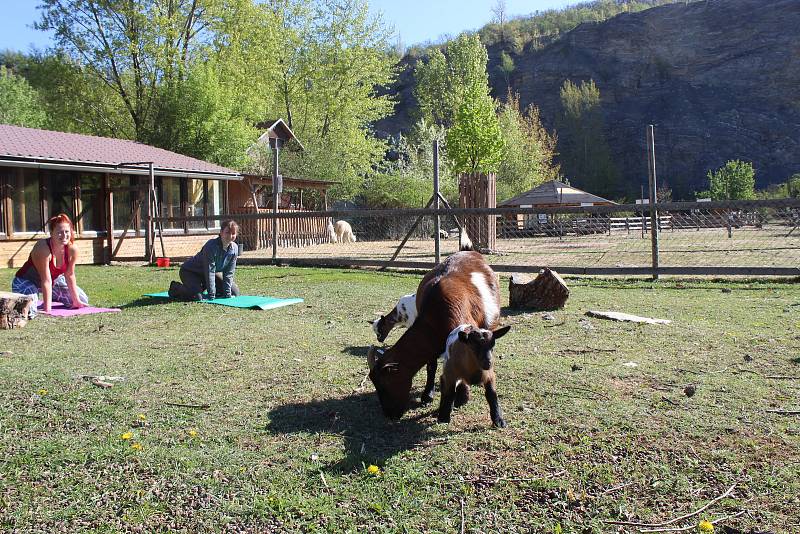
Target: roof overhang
(80,166)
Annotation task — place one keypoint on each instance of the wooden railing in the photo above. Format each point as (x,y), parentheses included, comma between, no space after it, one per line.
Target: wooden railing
(256,234)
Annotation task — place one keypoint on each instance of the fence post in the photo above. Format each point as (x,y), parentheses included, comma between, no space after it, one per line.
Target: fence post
(436,221)
(651,171)
(276,194)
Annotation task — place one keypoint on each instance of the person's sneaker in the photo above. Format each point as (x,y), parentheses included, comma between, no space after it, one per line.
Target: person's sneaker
(174,290)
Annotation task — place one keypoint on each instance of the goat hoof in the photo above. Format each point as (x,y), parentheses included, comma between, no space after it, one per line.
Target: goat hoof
(500,423)
(444,420)
(426,398)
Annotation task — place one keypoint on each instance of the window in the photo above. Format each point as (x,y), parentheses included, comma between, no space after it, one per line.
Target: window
(195,202)
(215,203)
(60,194)
(169,195)
(124,202)
(204,197)
(91,215)
(26,208)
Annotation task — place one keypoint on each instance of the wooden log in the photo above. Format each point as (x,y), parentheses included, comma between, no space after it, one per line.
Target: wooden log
(547,292)
(14,309)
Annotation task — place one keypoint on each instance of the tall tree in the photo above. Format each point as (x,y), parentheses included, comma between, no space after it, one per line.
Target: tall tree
(333,61)
(500,16)
(475,143)
(585,154)
(20,104)
(529,150)
(131,47)
(445,79)
(733,181)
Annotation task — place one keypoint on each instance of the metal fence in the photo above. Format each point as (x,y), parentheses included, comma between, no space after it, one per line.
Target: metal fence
(758,237)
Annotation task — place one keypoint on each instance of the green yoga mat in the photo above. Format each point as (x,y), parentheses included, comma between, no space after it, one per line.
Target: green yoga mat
(242,301)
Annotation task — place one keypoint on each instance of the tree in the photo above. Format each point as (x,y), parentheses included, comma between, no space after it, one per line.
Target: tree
(475,143)
(506,67)
(585,154)
(333,59)
(733,181)
(133,47)
(20,104)
(444,80)
(529,150)
(793,186)
(499,12)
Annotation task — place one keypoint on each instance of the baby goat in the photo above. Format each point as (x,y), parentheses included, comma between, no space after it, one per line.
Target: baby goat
(468,361)
(403,314)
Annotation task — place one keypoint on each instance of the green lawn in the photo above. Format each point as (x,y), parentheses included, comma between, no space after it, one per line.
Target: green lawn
(287,433)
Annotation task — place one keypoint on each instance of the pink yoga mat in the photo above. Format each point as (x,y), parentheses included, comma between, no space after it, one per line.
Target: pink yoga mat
(58,310)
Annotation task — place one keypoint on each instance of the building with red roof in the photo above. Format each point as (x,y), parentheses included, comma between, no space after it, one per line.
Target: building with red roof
(103,185)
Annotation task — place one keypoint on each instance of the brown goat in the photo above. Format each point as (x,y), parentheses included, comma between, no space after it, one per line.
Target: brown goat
(461,290)
(468,362)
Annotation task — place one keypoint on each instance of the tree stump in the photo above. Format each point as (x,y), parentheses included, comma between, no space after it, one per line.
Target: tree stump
(547,292)
(14,309)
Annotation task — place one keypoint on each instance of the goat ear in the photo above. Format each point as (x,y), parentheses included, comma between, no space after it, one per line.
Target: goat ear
(500,332)
(372,357)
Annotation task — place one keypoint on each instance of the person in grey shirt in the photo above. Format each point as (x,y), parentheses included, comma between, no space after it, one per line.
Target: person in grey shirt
(211,269)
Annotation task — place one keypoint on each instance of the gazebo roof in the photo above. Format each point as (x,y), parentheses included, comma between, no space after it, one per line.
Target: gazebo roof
(555,193)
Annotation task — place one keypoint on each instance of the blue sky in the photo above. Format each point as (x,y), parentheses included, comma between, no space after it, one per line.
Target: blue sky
(415,21)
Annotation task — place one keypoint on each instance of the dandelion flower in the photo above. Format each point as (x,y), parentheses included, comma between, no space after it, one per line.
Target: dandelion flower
(141,417)
(42,392)
(374,470)
(126,436)
(136,446)
(192,433)
(705,526)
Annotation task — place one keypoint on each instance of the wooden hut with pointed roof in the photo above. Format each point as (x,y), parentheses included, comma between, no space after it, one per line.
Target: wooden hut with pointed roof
(552,194)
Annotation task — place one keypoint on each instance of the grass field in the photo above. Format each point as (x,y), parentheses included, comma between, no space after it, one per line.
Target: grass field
(285,426)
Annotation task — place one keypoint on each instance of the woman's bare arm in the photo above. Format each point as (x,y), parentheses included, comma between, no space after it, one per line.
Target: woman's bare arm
(41,260)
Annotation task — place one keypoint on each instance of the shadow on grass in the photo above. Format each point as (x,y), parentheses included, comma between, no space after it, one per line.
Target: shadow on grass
(144,302)
(369,437)
(359,352)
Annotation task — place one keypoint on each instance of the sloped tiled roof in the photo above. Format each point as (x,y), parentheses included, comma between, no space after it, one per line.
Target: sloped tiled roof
(32,144)
(555,192)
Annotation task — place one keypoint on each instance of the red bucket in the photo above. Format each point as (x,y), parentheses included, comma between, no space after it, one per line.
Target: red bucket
(162,262)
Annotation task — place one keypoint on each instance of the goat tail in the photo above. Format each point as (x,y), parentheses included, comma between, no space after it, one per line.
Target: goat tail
(464,242)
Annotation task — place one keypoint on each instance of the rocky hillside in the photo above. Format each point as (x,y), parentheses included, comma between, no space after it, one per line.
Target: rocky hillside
(719,79)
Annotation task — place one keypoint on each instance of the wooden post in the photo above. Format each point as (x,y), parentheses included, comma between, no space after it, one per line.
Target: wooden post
(148,228)
(109,198)
(436,221)
(651,171)
(275,198)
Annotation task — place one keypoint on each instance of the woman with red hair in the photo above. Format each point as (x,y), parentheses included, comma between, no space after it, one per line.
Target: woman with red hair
(51,269)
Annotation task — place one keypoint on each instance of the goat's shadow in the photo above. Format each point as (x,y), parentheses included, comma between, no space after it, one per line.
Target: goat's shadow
(369,437)
(359,352)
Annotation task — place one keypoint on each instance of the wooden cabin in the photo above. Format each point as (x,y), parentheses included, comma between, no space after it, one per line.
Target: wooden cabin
(552,194)
(102,184)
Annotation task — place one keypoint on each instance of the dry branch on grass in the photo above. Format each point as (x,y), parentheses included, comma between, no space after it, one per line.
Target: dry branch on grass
(672,521)
(784,412)
(182,405)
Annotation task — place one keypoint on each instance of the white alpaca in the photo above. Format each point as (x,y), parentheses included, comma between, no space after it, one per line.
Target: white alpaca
(331,232)
(344,232)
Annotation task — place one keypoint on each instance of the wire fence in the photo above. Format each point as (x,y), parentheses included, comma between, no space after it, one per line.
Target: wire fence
(757,237)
